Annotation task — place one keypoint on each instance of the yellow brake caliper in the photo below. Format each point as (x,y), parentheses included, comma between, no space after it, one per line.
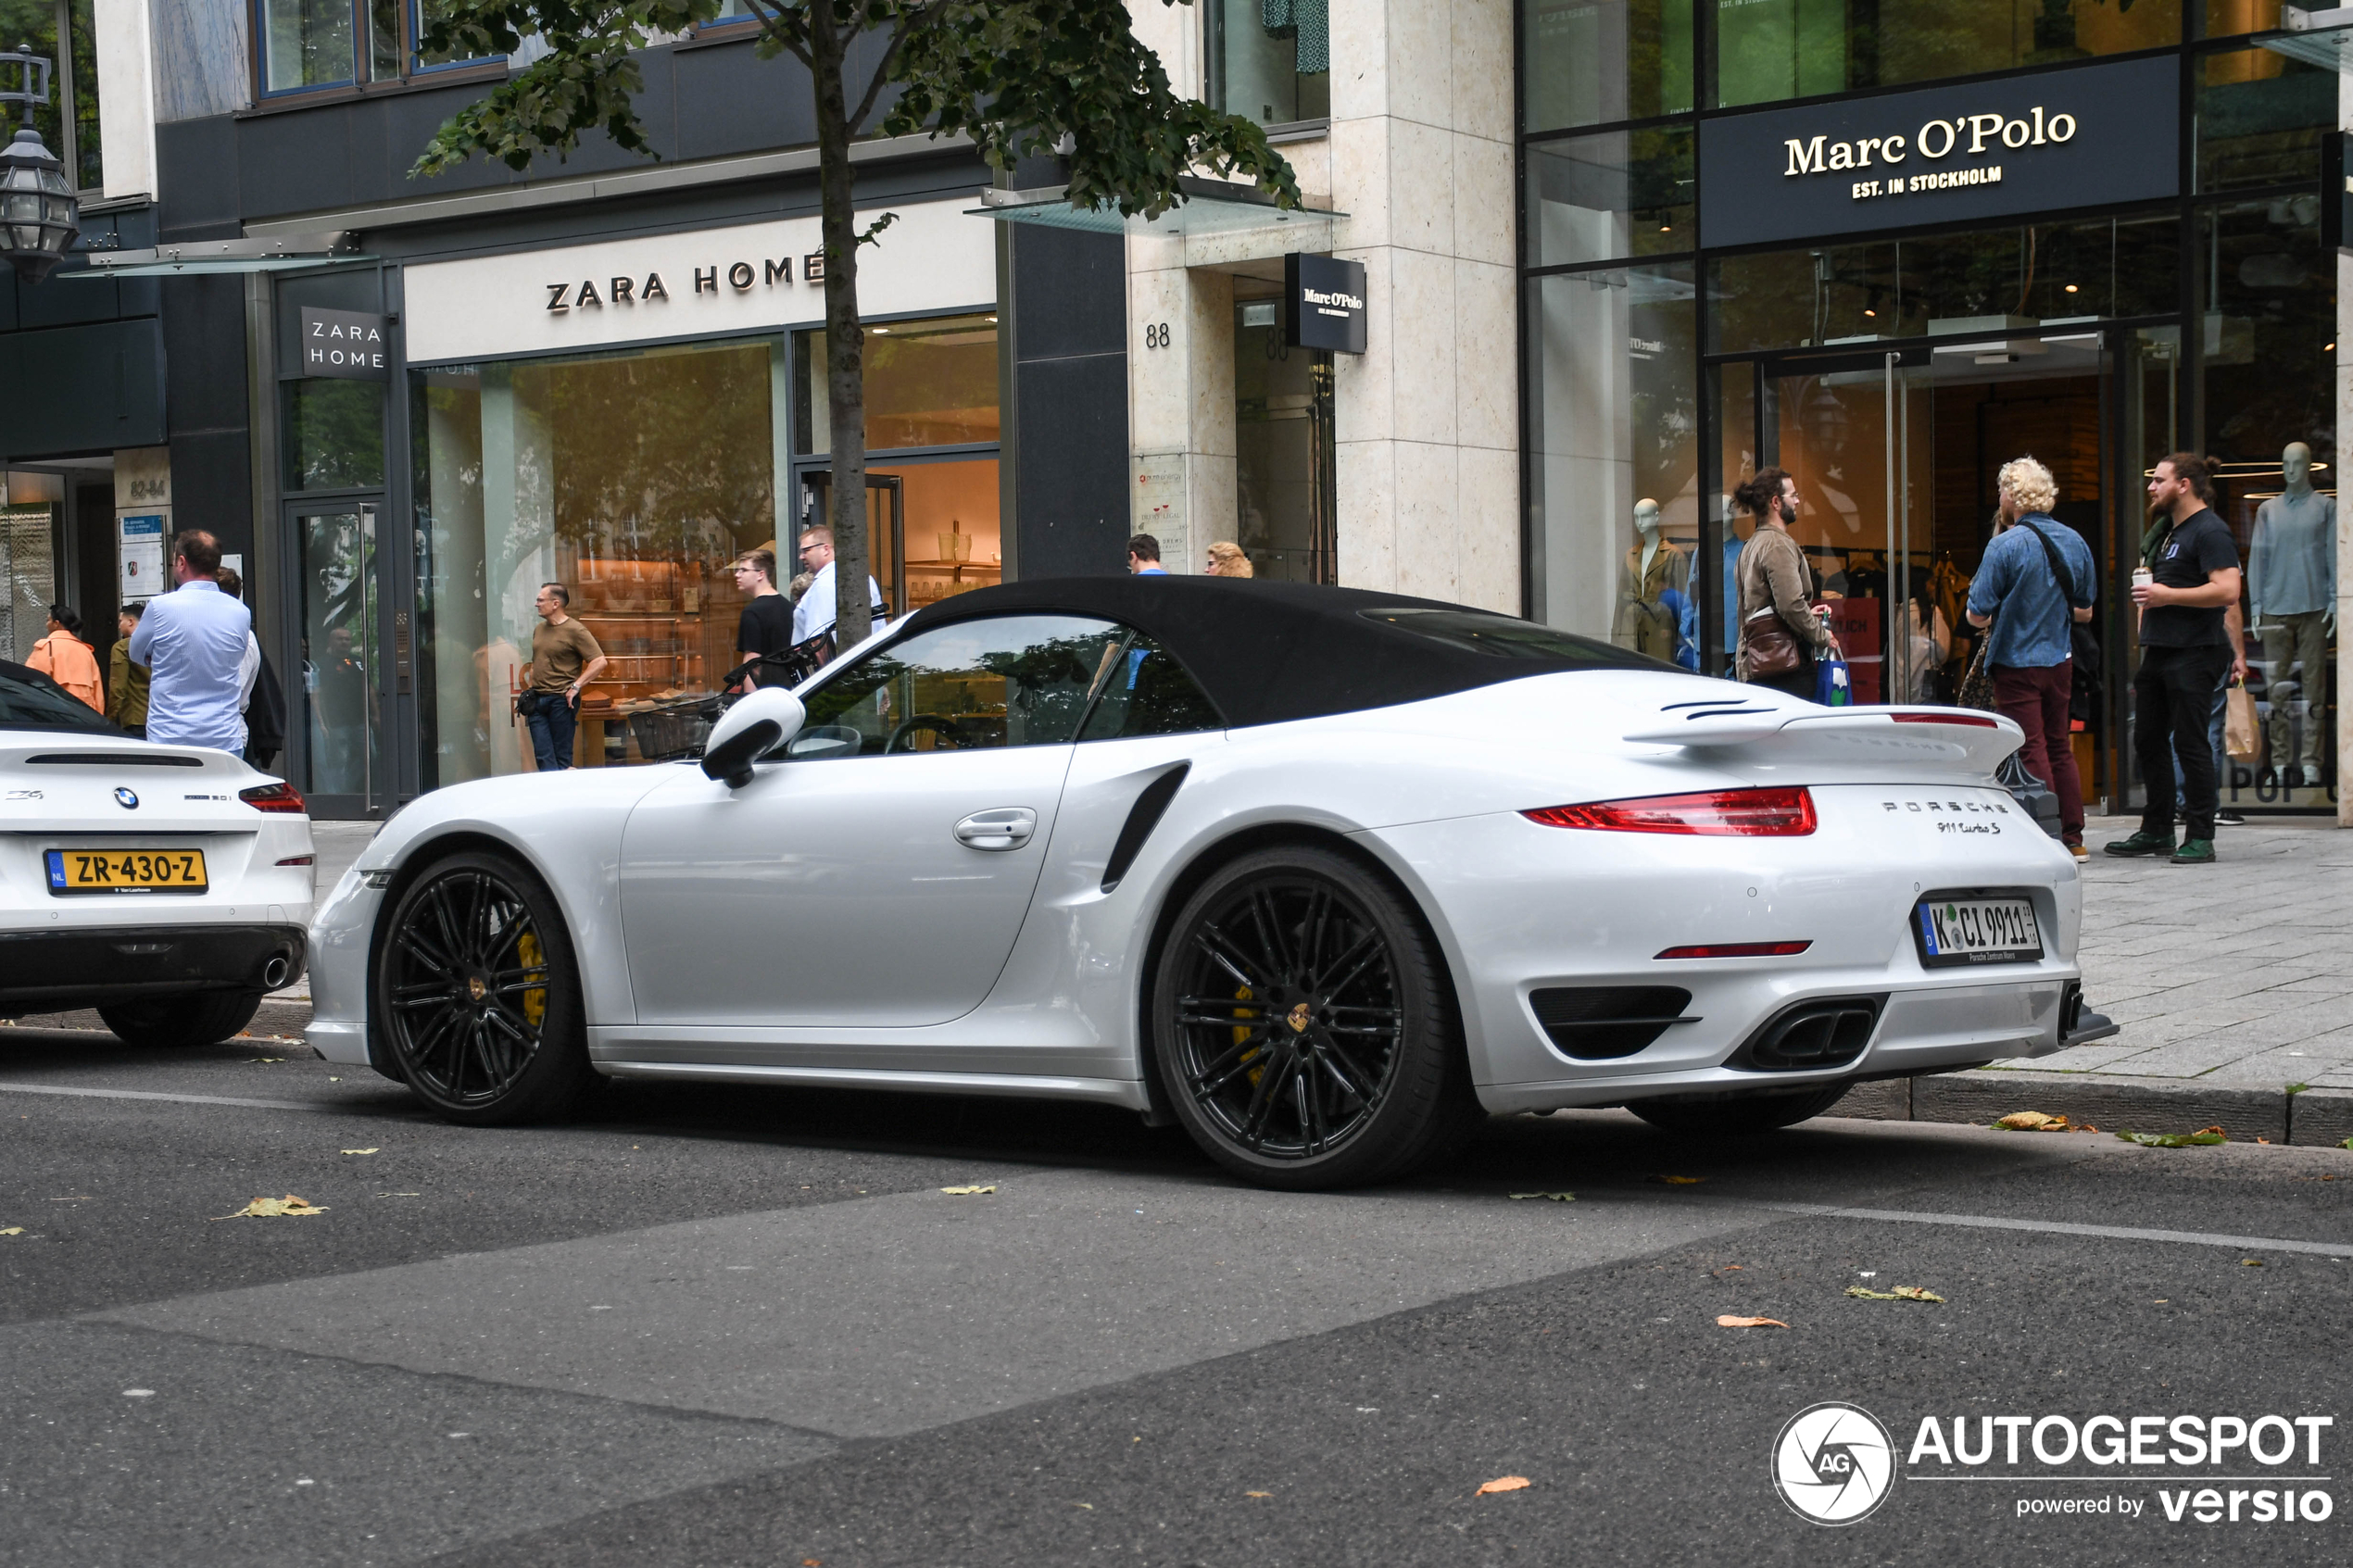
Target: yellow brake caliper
(1241,1032)
(535,1001)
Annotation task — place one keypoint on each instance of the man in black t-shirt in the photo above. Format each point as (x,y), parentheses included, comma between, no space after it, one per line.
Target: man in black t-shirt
(766,627)
(2185,651)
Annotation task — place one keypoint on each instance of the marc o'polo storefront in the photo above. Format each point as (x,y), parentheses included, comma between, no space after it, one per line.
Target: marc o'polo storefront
(1891,293)
(624,418)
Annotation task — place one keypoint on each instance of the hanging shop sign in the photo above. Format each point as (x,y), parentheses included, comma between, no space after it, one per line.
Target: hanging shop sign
(347,345)
(2049,141)
(1323,303)
(748,278)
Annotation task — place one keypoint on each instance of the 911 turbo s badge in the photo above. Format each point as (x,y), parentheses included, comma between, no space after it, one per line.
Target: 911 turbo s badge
(126,799)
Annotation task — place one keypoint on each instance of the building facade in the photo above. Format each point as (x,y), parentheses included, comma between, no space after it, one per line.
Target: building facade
(1608,258)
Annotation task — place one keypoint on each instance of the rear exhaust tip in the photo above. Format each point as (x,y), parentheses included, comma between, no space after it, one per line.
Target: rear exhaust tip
(274,973)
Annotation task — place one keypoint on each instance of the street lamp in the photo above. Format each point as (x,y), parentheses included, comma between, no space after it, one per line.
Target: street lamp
(38,214)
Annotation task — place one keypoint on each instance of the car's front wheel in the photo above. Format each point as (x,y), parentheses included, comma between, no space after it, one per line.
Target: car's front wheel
(206,1018)
(1303,1024)
(477,995)
(1752,1113)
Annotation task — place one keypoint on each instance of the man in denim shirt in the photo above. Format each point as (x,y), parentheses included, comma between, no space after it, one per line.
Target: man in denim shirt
(2032,654)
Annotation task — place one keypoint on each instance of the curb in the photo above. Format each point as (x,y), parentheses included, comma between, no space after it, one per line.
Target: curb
(2310,1117)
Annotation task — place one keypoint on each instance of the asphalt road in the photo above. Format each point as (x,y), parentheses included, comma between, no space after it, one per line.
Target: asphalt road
(724,1327)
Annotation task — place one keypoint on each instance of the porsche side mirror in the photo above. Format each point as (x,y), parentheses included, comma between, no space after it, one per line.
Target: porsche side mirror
(747,731)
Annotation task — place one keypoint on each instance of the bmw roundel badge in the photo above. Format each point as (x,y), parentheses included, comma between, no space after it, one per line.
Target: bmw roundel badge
(126,799)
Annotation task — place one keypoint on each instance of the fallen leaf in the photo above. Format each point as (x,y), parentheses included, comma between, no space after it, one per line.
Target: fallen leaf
(1901,1293)
(1731,1268)
(1555,1197)
(289,1206)
(1258,1494)
(265,1058)
(2087,1127)
(1679,1181)
(1728,1321)
(2175,1140)
(360,1151)
(811,1562)
(2032,1122)
(1087,1506)
(400,1195)
(2251,1263)
(13,1230)
(972,1192)
(2262,1140)
(1502,1484)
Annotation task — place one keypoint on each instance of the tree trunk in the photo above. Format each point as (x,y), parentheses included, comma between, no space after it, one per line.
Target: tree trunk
(845,340)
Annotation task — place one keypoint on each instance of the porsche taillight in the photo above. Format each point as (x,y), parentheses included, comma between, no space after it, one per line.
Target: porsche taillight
(272,797)
(1716,813)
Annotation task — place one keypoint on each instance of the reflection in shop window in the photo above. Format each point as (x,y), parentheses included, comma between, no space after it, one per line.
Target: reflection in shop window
(928,384)
(1591,62)
(1619,193)
(1270,60)
(2261,118)
(335,434)
(1614,474)
(1768,50)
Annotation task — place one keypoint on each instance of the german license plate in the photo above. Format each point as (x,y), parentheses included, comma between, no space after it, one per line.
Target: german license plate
(1967,931)
(75,872)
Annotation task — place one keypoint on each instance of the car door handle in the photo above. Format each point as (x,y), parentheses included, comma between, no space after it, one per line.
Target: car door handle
(1007,827)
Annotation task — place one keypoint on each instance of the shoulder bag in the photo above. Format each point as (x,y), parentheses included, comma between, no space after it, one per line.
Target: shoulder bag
(2086,679)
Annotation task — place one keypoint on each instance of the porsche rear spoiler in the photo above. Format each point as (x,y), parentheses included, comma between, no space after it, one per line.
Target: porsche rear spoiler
(1941,737)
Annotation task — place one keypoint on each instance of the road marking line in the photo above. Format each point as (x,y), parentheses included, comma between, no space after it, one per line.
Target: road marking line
(2063,1227)
(178,1099)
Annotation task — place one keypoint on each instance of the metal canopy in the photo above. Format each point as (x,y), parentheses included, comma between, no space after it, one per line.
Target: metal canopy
(2319,38)
(1210,207)
(279,253)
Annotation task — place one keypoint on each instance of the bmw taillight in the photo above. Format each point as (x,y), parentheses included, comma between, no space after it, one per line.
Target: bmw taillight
(272,797)
(1717,813)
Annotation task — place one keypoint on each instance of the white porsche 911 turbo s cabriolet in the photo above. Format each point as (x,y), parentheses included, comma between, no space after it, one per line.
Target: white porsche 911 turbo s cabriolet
(1324,875)
(168,886)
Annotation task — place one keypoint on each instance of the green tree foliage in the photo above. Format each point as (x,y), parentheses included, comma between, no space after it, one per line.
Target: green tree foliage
(1021,77)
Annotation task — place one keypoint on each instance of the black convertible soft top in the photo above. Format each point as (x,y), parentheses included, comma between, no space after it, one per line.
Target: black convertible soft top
(1267,652)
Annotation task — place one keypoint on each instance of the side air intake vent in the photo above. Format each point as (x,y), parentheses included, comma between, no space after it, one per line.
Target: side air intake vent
(1826,1032)
(1602,1022)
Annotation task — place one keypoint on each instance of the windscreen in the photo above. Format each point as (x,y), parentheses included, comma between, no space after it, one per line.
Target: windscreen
(30,701)
(1502,636)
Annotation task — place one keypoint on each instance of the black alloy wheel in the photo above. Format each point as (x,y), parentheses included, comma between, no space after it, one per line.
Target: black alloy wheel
(1303,1028)
(1747,1114)
(477,997)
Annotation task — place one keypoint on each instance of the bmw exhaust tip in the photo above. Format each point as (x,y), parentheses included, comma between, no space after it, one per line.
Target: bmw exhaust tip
(274,973)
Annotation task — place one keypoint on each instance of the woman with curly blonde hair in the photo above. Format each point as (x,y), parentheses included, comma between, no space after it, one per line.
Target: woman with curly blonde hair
(1226,560)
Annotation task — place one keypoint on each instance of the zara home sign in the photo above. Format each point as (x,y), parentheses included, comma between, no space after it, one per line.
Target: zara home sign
(347,345)
(705,283)
(2048,142)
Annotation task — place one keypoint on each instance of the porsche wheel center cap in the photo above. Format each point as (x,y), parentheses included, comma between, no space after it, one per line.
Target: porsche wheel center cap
(1297,1018)
(476,988)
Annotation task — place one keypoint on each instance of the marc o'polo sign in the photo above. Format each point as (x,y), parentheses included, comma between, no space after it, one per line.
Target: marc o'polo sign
(347,345)
(1323,303)
(2047,142)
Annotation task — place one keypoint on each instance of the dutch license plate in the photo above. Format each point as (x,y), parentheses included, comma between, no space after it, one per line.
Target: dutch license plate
(1963,930)
(125,871)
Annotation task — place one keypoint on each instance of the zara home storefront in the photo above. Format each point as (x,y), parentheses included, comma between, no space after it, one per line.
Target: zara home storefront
(1888,256)
(624,417)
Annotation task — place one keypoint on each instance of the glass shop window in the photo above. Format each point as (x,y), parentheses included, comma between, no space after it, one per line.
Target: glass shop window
(1271,61)
(1595,62)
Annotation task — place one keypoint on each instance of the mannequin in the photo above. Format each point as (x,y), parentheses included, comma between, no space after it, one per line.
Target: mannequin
(2291,581)
(1652,566)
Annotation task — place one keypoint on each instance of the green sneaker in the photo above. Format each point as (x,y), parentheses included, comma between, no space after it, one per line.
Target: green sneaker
(2147,842)
(2194,852)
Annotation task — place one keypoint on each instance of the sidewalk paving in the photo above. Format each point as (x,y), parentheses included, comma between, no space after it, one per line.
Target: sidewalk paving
(2233,983)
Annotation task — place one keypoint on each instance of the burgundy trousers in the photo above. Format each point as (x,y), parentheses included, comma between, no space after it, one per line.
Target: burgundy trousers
(2037,700)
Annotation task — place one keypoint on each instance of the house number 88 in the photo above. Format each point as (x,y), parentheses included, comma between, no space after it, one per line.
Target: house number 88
(1155,334)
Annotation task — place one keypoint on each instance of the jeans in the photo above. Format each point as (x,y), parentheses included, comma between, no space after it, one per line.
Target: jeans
(2173,698)
(2037,698)
(553,720)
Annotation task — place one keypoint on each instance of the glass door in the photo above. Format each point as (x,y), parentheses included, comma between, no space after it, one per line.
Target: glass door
(337,745)
(885,530)
(2149,397)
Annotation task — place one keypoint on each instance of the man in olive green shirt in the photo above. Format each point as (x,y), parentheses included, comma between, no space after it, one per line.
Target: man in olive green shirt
(126,681)
(564,658)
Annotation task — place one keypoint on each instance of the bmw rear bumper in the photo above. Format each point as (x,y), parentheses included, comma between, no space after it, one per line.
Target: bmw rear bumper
(53,971)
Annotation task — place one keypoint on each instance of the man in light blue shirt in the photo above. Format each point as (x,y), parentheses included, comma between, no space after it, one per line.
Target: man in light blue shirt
(197,644)
(2033,608)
